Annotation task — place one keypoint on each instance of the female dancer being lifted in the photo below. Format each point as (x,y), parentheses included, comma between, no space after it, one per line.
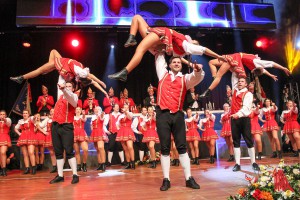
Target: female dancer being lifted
(175,43)
(67,68)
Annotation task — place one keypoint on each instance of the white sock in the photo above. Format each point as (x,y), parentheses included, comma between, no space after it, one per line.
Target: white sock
(141,153)
(165,165)
(73,165)
(60,167)
(251,152)
(121,154)
(237,155)
(109,156)
(186,165)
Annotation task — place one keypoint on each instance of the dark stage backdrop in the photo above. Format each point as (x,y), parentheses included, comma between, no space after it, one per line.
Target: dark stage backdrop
(95,52)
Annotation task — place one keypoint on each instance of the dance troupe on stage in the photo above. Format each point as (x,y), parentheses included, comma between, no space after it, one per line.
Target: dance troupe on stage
(166,124)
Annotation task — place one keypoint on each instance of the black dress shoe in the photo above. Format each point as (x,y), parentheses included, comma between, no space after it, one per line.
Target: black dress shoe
(75,179)
(236,168)
(132,165)
(255,167)
(108,164)
(165,185)
(84,167)
(121,75)
(33,171)
(295,154)
(57,179)
(280,154)
(197,162)
(123,163)
(211,160)
(205,94)
(27,170)
(274,155)
(78,167)
(259,155)
(18,79)
(54,169)
(1,172)
(103,167)
(128,165)
(152,165)
(99,167)
(4,172)
(131,41)
(140,163)
(191,183)
(231,158)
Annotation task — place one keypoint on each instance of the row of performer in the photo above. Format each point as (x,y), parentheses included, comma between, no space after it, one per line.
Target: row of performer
(35,135)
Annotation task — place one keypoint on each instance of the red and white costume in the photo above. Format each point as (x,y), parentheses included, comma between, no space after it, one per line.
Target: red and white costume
(176,43)
(108,103)
(79,132)
(111,120)
(47,124)
(255,127)
(4,132)
(137,124)
(192,133)
(86,106)
(209,132)
(150,134)
(226,125)
(253,61)
(69,69)
(28,136)
(46,100)
(270,123)
(128,101)
(40,136)
(125,132)
(291,124)
(98,133)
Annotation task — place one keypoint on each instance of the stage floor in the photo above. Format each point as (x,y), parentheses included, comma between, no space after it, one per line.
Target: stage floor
(217,181)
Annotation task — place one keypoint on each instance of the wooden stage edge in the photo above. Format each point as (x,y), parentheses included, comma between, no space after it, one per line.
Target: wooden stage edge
(217,181)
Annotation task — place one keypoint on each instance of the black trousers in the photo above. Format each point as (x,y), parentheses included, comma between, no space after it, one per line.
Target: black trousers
(141,146)
(241,127)
(113,144)
(171,123)
(63,139)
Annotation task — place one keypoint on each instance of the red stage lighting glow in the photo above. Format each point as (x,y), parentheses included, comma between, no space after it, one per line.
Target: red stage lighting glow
(75,43)
(262,43)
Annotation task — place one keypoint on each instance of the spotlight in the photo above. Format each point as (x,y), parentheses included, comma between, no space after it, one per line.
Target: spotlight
(112,46)
(262,43)
(26,41)
(298,44)
(75,43)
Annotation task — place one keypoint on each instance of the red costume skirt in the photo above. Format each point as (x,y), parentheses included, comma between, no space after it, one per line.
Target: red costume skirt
(5,140)
(255,128)
(48,140)
(270,125)
(150,135)
(192,135)
(80,135)
(209,134)
(27,138)
(226,130)
(125,134)
(291,127)
(40,137)
(98,135)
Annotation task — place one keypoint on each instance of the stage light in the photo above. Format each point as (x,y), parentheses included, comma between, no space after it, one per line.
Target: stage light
(26,41)
(298,44)
(262,43)
(258,43)
(75,43)
(112,46)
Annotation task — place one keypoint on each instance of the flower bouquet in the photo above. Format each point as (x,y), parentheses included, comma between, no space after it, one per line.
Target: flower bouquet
(278,183)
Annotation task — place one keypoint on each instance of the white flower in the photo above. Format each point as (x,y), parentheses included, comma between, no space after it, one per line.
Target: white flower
(287,194)
(262,184)
(264,178)
(296,171)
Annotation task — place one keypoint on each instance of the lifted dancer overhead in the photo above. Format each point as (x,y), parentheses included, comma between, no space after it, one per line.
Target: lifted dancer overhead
(175,43)
(235,64)
(67,68)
